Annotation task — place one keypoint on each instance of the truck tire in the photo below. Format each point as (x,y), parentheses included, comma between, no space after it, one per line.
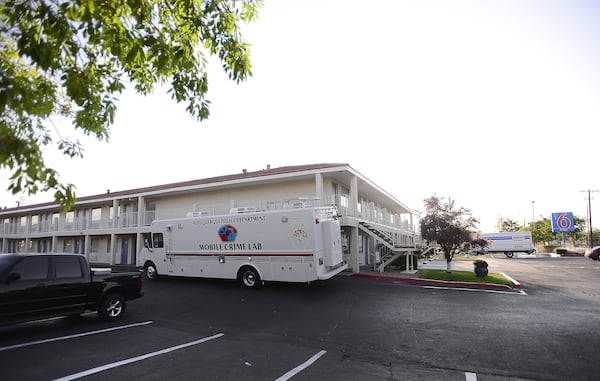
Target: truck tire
(249,277)
(150,271)
(509,254)
(112,307)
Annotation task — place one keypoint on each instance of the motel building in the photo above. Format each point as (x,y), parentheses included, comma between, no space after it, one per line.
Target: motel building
(109,228)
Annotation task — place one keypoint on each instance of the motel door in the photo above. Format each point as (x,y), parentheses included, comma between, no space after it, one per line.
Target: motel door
(124,251)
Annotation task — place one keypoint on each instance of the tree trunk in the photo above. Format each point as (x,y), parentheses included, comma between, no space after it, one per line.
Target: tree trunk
(448,266)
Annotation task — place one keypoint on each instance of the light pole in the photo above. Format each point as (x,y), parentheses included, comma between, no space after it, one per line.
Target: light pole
(532,221)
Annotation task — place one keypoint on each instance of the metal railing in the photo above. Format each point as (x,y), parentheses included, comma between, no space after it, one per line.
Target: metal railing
(365,211)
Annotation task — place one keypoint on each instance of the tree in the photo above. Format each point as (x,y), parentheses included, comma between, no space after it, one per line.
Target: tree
(507,225)
(450,227)
(542,231)
(72,58)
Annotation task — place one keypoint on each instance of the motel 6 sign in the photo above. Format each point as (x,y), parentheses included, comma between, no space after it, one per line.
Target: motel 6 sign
(562,222)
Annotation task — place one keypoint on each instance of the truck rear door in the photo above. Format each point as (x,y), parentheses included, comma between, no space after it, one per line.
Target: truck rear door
(332,243)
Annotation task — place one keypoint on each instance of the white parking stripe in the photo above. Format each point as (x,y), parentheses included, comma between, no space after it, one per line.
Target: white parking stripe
(135,359)
(301,367)
(470,376)
(73,336)
(521,292)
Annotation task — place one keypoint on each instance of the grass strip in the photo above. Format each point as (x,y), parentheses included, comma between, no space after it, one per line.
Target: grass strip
(464,276)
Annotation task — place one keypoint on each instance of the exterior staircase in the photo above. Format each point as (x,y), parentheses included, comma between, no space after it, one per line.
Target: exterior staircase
(388,245)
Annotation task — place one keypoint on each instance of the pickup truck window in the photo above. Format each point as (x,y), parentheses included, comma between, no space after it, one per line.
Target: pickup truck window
(68,267)
(157,239)
(32,268)
(5,262)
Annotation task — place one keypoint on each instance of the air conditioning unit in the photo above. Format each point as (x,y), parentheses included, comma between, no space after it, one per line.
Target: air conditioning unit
(242,209)
(202,213)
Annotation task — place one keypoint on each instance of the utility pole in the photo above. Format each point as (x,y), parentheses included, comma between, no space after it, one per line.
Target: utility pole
(532,222)
(589,212)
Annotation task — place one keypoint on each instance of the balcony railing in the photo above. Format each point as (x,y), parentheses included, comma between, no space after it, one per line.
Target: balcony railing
(364,211)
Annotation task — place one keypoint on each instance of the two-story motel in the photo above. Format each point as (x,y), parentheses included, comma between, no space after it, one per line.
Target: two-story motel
(109,227)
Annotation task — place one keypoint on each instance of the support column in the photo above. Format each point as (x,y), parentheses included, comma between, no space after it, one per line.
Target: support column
(113,248)
(354,260)
(115,221)
(353,197)
(141,211)
(113,236)
(141,222)
(87,242)
(319,188)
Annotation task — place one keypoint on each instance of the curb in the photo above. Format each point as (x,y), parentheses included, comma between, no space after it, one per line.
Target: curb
(517,284)
(446,283)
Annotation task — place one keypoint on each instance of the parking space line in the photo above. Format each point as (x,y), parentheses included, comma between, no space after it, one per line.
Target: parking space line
(136,359)
(521,292)
(301,367)
(73,336)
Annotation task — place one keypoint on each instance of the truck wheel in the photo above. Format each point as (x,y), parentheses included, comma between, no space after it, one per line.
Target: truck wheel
(150,271)
(509,254)
(249,277)
(112,307)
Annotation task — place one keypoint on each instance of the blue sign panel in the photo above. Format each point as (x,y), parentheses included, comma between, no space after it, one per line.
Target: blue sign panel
(562,222)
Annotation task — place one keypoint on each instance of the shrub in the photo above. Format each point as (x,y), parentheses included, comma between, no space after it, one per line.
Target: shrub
(480,263)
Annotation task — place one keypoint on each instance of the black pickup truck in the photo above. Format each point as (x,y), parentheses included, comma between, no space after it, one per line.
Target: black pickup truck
(36,286)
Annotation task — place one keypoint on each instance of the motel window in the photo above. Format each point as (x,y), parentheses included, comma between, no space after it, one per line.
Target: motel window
(67,246)
(70,217)
(96,214)
(94,245)
(344,201)
(34,223)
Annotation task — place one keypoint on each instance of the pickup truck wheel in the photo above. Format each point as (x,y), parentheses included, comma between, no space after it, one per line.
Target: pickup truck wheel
(150,271)
(509,254)
(112,307)
(249,277)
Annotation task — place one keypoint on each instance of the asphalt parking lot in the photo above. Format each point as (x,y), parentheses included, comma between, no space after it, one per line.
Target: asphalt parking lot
(346,328)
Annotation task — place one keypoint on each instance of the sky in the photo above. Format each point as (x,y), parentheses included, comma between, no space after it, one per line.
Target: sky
(494,104)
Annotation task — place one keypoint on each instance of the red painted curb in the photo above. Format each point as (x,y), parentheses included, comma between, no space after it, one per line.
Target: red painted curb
(439,282)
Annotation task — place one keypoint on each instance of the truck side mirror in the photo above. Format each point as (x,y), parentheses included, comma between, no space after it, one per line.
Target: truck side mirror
(147,244)
(13,277)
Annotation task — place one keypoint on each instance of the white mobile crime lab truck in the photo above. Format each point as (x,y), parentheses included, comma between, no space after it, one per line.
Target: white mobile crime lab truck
(508,243)
(292,245)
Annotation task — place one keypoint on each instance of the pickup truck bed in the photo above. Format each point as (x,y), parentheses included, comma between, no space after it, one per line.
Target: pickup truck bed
(36,286)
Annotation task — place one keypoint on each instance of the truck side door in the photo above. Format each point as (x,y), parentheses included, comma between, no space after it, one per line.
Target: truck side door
(70,285)
(24,293)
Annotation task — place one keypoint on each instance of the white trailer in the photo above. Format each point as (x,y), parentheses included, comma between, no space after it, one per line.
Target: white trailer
(508,243)
(292,245)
